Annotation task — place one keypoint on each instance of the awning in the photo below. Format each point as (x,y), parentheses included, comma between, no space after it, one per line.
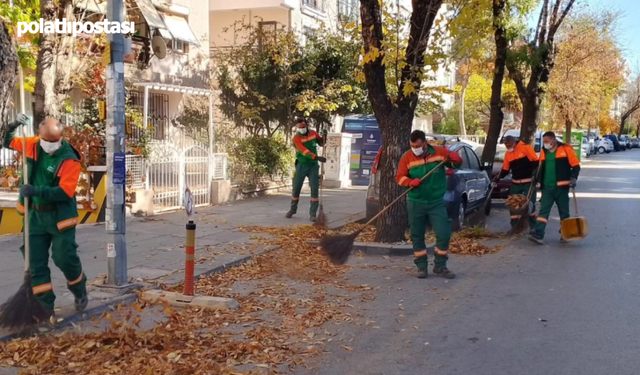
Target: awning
(93,6)
(165,34)
(150,14)
(180,29)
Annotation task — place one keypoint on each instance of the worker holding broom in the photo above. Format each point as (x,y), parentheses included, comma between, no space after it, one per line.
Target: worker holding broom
(521,160)
(559,169)
(426,200)
(307,158)
(53,170)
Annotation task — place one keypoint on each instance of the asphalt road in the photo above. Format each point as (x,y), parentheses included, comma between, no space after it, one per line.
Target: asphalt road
(558,309)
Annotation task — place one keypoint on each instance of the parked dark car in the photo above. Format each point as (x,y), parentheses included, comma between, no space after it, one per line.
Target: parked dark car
(467,188)
(501,191)
(624,138)
(616,144)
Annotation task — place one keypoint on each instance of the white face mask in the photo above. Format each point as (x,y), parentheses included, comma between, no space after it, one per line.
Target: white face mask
(510,149)
(548,146)
(302,130)
(417,151)
(50,147)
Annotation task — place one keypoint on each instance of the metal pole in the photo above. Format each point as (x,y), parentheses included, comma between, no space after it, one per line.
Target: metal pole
(116,172)
(190,248)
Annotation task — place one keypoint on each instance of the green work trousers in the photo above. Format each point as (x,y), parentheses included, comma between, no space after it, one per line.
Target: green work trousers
(421,215)
(44,234)
(303,171)
(523,189)
(551,195)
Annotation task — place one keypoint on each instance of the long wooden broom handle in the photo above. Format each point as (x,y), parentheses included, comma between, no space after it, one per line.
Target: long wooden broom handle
(534,182)
(25,177)
(405,193)
(575,201)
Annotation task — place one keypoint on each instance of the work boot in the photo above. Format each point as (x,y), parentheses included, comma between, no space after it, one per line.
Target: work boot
(422,273)
(312,219)
(444,272)
(289,214)
(81,302)
(536,238)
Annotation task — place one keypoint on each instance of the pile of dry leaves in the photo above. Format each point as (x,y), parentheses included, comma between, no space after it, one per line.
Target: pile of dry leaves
(286,296)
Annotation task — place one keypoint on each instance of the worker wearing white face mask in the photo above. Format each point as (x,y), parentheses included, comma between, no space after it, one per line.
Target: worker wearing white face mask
(522,161)
(559,170)
(53,169)
(426,200)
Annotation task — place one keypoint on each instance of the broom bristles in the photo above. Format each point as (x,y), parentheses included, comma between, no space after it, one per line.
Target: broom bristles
(22,310)
(321,220)
(338,247)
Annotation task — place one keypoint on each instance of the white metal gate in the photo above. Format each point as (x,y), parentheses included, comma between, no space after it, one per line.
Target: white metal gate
(196,174)
(165,177)
(170,171)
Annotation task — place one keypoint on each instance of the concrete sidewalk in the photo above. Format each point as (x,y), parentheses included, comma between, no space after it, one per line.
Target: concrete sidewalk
(155,245)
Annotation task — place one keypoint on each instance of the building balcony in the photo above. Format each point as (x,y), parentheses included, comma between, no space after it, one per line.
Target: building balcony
(227,5)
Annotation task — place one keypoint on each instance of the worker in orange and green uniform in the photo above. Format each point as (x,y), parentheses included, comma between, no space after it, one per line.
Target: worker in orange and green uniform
(559,172)
(53,171)
(521,160)
(426,200)
(306,142)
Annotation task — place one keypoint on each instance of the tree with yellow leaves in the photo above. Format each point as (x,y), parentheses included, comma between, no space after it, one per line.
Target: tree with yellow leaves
(588,70)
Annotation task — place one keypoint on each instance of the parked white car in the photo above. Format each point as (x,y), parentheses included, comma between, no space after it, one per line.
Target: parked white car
(603,146)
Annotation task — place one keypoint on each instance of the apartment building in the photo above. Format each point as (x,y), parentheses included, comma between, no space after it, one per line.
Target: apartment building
(301,16)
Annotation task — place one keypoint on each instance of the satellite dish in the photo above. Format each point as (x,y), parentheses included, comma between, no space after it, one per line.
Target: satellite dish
(159,47)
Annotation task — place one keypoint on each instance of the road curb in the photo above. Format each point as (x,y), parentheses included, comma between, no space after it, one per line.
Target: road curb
(87,314)
(375,248)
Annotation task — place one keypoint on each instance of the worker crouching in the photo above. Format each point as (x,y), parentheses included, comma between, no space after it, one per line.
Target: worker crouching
(521,160)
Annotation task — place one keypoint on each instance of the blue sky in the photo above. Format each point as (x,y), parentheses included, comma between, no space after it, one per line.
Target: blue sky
(628,26)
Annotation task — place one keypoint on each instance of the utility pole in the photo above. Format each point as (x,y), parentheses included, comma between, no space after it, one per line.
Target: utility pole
(116,171)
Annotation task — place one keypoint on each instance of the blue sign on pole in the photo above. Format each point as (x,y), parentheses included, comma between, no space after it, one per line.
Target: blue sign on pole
(366,142)
(119,169)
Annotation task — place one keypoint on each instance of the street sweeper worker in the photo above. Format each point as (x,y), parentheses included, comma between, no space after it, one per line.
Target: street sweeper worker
(521,160)
(53,172)
(559,172)
(307,158)
(426,200)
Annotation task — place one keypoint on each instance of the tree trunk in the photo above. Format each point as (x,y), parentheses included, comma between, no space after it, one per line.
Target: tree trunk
(530,110)
(8,72)
(45,93)
(567,130)
(396,131)
(463,94)
(496,116)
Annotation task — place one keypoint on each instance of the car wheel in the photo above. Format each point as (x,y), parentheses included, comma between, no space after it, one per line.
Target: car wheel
(601,150)
(458,221)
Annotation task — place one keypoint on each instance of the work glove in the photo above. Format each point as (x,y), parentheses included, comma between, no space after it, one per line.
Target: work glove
(321,159)
(455,158)
(415,183)
(572,184)
(21,119)
(28,191)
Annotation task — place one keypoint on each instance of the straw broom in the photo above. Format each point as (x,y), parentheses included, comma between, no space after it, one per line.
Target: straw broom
(321,220)
(338,247)
(23,310)
(522,222)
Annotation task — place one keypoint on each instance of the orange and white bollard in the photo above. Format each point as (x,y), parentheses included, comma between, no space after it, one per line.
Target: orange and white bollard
(189,264)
